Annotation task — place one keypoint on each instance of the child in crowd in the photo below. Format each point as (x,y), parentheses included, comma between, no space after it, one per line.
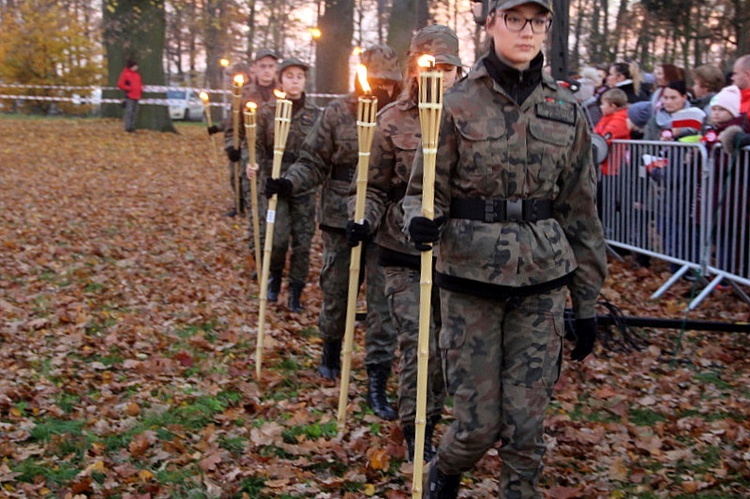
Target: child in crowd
(613,125)
(638,115)
(725,112)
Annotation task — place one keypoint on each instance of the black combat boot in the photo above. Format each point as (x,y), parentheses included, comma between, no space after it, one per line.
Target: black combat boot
(295,296)
(440,485)
(330,363)
(376,398)
(410,434)
(274,286)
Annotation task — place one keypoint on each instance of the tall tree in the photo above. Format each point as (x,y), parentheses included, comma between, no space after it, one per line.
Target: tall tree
(136,28)
(334,47)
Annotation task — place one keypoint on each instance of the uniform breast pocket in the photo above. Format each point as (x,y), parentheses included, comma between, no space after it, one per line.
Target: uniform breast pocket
(549,148)
(483,145)
(405,148)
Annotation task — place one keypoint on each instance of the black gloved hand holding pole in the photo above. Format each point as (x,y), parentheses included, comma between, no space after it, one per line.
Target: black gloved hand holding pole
(423,230)
(280,186)
(357,233)
(234,154)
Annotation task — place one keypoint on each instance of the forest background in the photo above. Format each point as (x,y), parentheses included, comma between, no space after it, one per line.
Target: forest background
(86,42)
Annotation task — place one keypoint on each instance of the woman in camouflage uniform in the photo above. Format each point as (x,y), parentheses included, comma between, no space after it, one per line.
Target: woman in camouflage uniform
(329,158)
(516,221)
(295,215)
(394,144)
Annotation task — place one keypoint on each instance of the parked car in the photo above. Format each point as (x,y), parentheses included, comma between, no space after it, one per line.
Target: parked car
(190,107)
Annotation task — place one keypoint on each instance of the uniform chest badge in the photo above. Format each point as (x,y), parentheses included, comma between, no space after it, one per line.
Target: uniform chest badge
(564,112)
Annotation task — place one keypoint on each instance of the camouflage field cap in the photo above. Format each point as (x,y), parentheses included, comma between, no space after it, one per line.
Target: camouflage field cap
(381,62)
(509,4)
(292,61)
(261,53)
(438,41)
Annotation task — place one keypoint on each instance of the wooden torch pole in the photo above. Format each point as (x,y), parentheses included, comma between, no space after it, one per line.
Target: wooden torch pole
(250,134)
(367,109)
(207,111)
(430,110)
(282,121)
(237,83)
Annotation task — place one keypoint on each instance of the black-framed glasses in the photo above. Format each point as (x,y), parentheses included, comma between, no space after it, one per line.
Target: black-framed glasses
(517,23)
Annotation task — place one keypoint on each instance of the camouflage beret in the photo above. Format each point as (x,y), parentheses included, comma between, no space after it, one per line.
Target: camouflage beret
(509,4)
(438,41)
(292,61)
(381,62)
(261,53)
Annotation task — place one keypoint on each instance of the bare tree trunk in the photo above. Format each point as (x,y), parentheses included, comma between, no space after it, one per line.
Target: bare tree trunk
(216,26)
(135,28)
(337,27)
(250,29)
(403,19)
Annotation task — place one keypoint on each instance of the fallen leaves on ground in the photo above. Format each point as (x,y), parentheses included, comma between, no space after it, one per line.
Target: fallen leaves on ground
(127,345)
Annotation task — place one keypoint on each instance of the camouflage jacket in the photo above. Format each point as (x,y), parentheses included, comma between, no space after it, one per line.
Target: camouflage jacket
(394,145)
(302,122)
(331,146)
(489,148)
(250,93)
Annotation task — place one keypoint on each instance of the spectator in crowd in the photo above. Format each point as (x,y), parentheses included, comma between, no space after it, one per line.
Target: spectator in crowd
(613,125)
(741,78)
(131,83)
(707,81)
(663,75)
(295,215)
(626,77)
(593,85)
(638,116)
(674,97)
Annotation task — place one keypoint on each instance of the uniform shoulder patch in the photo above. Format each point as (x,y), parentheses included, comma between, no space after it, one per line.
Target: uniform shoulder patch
(557,110)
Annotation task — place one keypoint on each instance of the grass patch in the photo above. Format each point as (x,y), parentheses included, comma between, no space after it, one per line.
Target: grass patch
(645,417)
(43,432)
(714,378)
(310,431)
(59,474)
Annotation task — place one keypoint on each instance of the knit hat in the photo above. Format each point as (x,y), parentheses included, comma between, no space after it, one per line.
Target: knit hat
(438,41)
(729,99)
(381,62)
(509,4)
(690,118)
(639,113)
(292,62)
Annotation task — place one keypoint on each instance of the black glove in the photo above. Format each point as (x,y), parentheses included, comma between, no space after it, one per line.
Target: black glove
(422,230)
(280,186)
(213,129)
(233,154)
(584,334)
(356,233)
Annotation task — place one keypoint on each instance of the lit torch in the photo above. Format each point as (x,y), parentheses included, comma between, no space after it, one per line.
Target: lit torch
(250,134)
(207,110)
(430,110)
(367,109)
(282,121)
(237,83)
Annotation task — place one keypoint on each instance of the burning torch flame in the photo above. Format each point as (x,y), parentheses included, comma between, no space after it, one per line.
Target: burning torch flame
(204,97)
(279,94)
(426,61)
(362,77)
(251,106)
(239,80)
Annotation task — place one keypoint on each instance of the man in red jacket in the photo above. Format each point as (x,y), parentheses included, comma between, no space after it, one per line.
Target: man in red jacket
(741,78)
(130,82)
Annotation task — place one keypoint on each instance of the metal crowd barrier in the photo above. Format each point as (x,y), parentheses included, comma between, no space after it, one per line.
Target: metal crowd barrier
(681,203)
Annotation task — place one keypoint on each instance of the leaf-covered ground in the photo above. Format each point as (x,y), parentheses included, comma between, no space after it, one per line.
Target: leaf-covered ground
(127,344)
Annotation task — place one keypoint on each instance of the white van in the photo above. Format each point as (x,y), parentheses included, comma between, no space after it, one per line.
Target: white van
(187,105)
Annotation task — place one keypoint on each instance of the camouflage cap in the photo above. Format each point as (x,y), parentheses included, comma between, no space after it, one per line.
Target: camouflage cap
(438,41)
(509,4)
(261,53)
(292,61)
(381,62)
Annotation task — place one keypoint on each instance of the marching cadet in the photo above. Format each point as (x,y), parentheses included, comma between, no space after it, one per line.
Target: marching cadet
(516,222)
(295,214)
(395,143)
(329,158)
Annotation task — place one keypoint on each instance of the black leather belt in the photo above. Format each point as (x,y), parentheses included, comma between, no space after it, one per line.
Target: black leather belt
(343,172)
(502,210)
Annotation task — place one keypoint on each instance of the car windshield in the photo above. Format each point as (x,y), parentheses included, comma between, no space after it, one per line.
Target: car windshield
(176,94)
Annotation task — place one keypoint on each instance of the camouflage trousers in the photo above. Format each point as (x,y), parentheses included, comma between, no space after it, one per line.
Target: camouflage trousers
(380,335)
(502,360)
(294,224)
(402,293)
(243,183)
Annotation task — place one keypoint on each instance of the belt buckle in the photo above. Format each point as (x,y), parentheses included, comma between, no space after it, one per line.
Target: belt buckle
(514,210)
(490,211)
